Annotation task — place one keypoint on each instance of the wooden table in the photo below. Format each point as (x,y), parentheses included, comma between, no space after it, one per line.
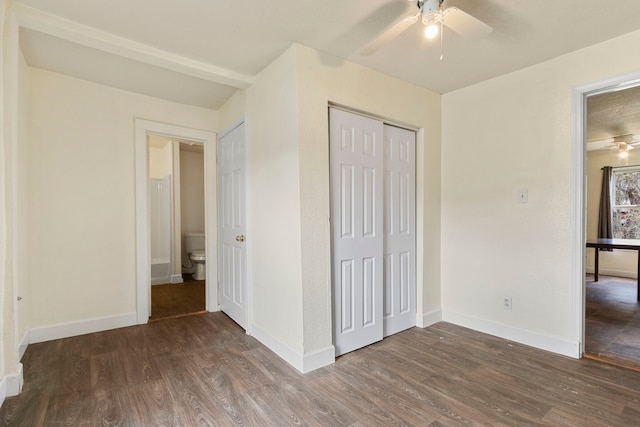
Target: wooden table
(599,244)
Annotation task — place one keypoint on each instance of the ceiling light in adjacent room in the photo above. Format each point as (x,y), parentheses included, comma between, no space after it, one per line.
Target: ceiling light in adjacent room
(623,154)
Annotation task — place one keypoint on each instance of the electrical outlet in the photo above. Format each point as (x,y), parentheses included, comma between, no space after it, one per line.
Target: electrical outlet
(507,303)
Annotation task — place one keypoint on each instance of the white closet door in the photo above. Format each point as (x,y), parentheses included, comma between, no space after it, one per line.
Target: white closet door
(356,170)
(399,230)
(232,218)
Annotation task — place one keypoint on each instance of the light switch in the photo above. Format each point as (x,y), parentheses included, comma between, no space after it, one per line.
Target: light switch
(523,196)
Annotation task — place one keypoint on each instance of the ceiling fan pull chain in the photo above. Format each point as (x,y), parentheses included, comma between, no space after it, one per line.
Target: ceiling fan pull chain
(441,33)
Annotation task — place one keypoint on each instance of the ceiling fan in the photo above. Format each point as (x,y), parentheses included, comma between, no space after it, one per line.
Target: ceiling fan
(624,142)
(434,16)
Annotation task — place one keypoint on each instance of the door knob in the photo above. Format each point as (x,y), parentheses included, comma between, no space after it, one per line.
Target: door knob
(240,238)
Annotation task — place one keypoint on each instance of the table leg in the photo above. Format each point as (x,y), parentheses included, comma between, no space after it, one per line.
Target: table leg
(597,263)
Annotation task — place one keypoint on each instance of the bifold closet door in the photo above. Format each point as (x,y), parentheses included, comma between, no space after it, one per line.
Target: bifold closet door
(373,229)
(399,229)
(356,175)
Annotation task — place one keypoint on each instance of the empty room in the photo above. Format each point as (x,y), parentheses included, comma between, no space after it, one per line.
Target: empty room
(376,212)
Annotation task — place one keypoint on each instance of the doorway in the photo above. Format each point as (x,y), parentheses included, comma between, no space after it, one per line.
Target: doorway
(579,209)
(612,311)
(143,129)
(177,227)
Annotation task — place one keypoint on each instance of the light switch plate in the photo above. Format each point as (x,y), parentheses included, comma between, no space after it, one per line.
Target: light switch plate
(523,196)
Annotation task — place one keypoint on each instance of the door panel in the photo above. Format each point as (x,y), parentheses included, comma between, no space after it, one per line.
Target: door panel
(399,230)
(233,264)
(356,163)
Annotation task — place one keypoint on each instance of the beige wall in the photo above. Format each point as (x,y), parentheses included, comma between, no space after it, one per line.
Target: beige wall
(273,235)
(192,191)
(499,136)
(81,196)
(160,159)
(619,262)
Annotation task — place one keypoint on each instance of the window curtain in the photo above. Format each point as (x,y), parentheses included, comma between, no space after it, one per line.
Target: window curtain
(604,215)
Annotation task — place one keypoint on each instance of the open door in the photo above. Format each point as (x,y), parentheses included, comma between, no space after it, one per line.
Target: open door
(233,229)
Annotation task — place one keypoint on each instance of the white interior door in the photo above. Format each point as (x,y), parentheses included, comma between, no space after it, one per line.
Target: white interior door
(399,230)
(232,220)
(356,170)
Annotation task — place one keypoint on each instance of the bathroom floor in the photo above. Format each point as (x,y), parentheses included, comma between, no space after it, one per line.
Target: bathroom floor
(176,300)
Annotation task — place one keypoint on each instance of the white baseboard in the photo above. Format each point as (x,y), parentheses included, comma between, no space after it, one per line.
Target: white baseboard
(176,278)
(522,336)
(302,362)
(11,384)
(428,319)
(318,358)
(615,273)
(64,330)
(3,390)
(22,345)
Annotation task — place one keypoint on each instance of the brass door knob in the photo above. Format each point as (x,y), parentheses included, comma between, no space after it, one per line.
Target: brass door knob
(240,238)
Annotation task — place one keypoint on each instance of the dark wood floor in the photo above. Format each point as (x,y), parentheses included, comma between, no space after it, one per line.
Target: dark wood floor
(612,323)
(178,299)
(204,370)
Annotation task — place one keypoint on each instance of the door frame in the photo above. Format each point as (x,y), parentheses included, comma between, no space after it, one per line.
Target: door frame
(143,245)
(579,187)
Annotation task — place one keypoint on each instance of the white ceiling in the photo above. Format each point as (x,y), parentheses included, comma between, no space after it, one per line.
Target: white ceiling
(199,51)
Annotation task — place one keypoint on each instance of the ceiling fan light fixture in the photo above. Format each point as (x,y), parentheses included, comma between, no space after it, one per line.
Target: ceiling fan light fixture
(623,156)
(431,31)
(623,153)
(432,27)
(434,17)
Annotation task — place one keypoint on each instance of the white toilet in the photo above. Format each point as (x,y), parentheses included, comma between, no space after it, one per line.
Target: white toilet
(194,245)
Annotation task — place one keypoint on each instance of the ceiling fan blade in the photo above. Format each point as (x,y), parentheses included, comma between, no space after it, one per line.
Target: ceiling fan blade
(464,24)
(629,139)
(389,34)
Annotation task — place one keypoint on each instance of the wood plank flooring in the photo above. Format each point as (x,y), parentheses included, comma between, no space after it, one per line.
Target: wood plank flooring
(204,370)
(178,299)
(612,325)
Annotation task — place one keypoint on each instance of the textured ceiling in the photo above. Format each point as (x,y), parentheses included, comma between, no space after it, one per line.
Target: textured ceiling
(244,36)
(613,114)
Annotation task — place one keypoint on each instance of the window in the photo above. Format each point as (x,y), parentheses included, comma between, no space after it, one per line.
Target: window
(626,203)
